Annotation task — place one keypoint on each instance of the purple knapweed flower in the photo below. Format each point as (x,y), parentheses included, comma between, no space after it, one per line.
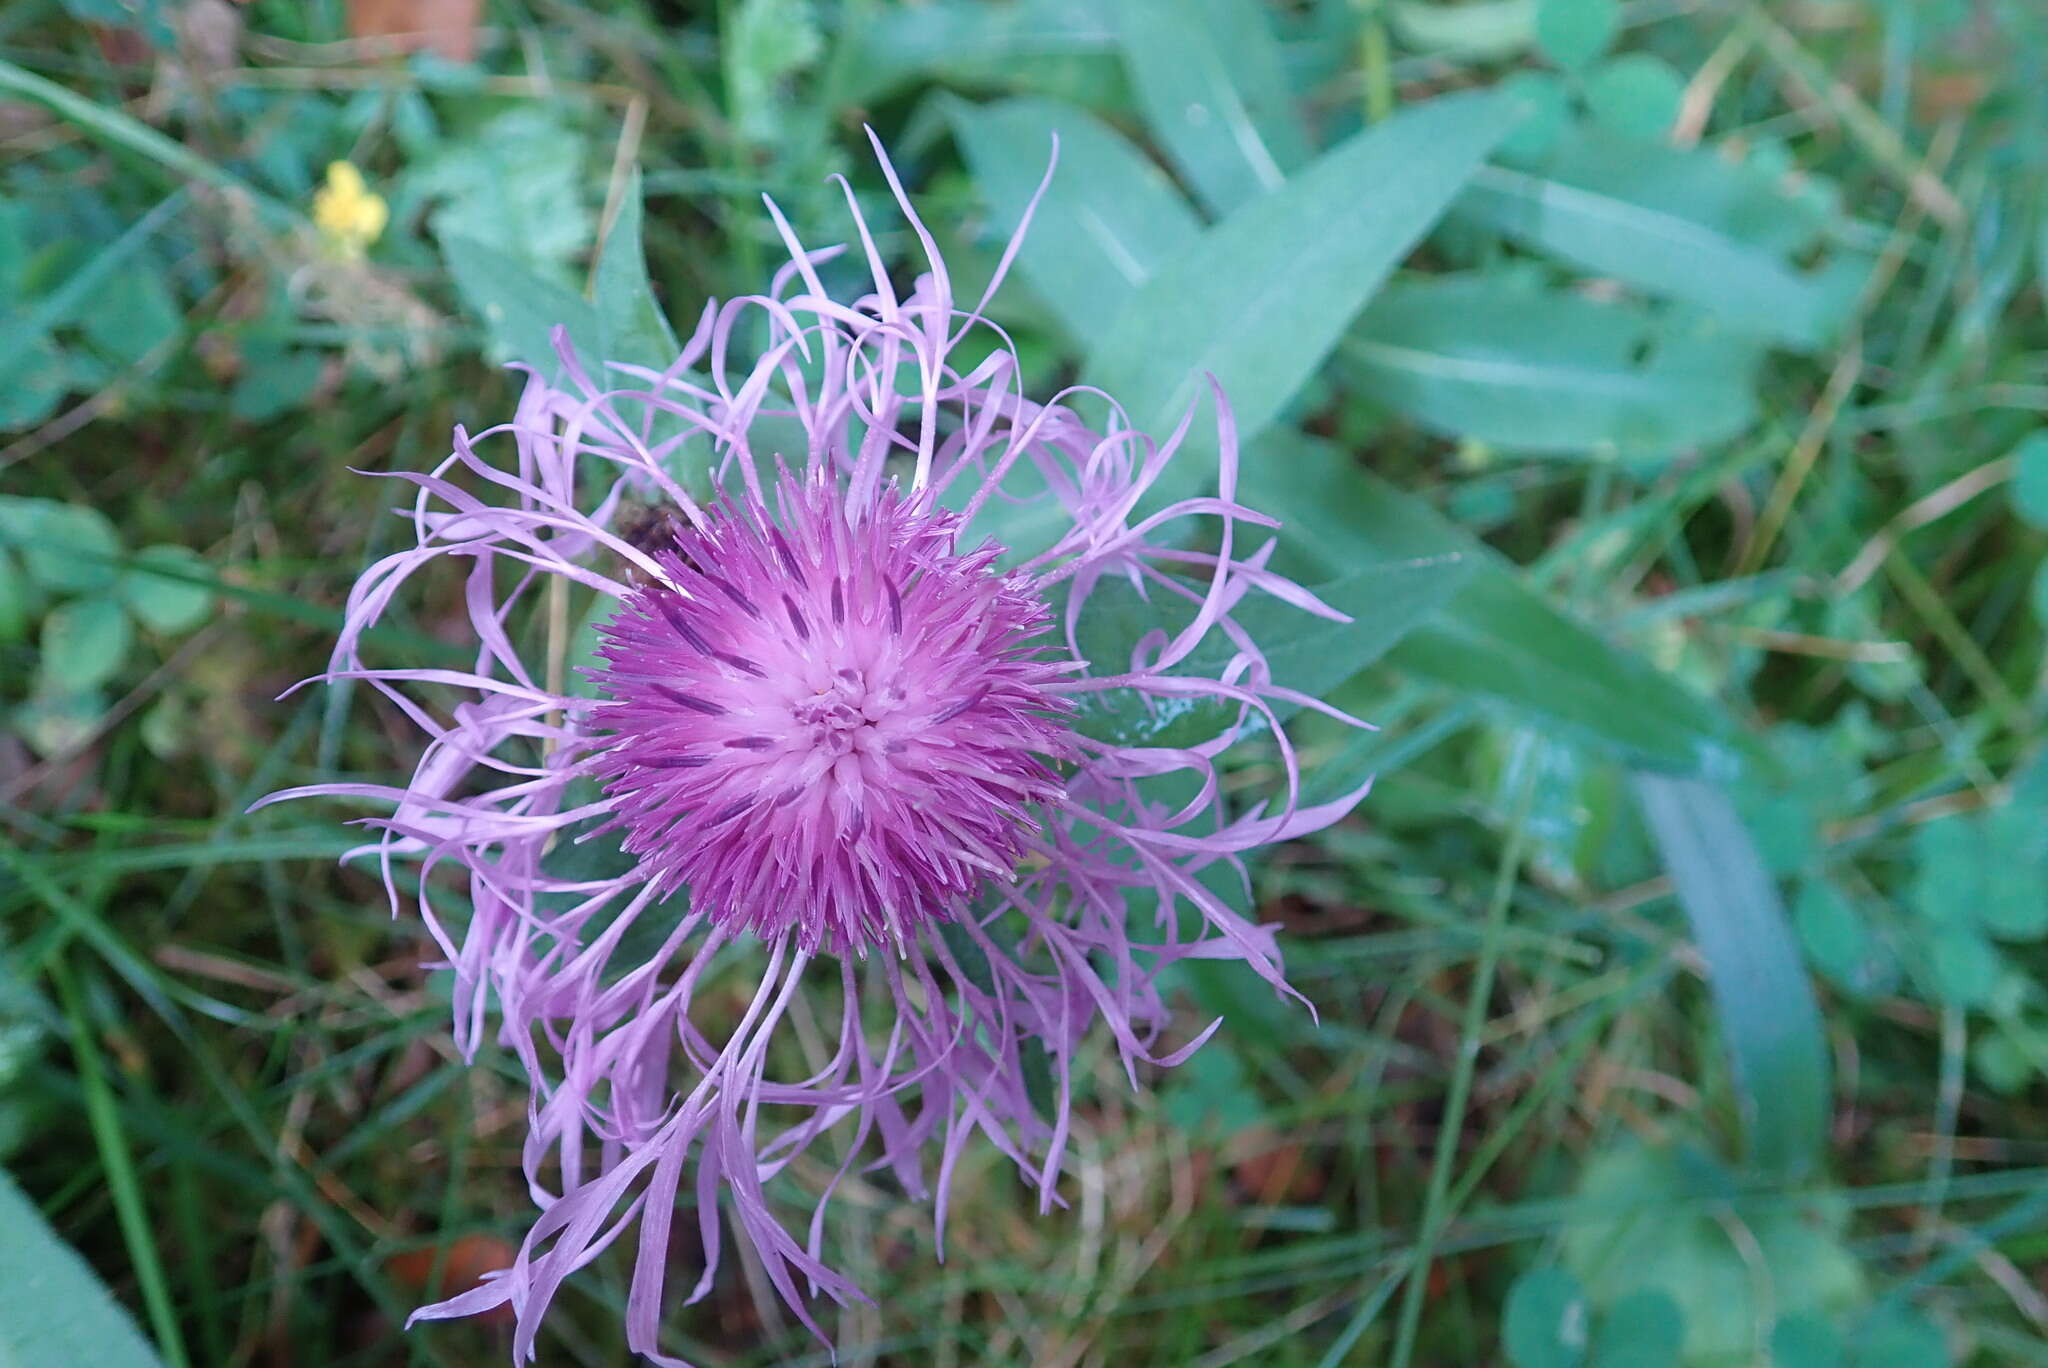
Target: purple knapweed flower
(829,738)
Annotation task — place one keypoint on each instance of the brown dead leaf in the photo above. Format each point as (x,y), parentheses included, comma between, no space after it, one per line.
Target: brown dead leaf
(444,26)
(463,1266)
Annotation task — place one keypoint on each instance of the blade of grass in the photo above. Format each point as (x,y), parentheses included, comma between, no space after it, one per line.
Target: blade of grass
(1436,1206)
(57,306)
(104,1116)
(120,130)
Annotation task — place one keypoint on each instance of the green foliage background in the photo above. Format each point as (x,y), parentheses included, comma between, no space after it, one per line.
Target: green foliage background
(1661,382)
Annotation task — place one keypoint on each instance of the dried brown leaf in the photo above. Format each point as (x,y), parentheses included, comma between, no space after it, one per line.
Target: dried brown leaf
(444,26)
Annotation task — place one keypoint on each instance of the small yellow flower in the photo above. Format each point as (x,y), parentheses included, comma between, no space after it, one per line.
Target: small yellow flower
(346,213)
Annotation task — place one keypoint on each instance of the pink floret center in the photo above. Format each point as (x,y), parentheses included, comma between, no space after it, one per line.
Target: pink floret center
(837,727)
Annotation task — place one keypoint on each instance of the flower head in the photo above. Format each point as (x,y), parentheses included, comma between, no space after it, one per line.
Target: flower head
(347,213)
(838,731)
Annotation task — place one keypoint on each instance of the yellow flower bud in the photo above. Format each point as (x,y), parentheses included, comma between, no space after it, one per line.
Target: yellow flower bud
(347,214)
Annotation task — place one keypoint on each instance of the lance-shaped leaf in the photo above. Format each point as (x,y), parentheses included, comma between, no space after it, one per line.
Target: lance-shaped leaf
(53,1310)
(1261,298)
(1106,221)
(1210,81)
(1765,1004)
(1682,224)
(1547,372)
(1496,638)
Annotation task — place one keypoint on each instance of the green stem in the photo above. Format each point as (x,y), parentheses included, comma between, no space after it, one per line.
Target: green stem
(1436,1207)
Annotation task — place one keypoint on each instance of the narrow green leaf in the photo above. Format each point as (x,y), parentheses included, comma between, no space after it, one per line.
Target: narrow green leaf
(110,124)
(1549,372)
(1764,1001)
(1496,638)
(1262,297)
(1683,224)
(1107,220)
(967,43)
(23,333)
(14,599)
(1312,655)
(1210,81)
(629,317)
(53,1309)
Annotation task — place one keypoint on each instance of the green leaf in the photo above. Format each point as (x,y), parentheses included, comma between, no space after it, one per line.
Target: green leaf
(65,548)
(1214,93)
(1645,1329)
(1805,1342)
(15,218)
(1309,654)
(1480,31)
(1636,95)
(1107,220)
(1549,101)
(36,379)
(519,310)
(273,382)
(173,601)
(1574,32)
(1680,223)
(1544,1323)
(629,317)
(14,599)
(1983,871)
(1211,1096)
(54,723)
(1898,1337)
(770,41)
(1963,966)
(130,314)
(971,43)
(1497,638)
(1768,1017)
(84,643)
(2015,845)
(2004,1058)
(76,1320)
(1549,372)
(1663,1218)
(1834,937)
(25,334)
(2030,480)
(515,187)
(1261,298)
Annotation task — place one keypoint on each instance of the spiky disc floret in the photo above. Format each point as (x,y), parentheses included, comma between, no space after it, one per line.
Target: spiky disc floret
(832,723)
